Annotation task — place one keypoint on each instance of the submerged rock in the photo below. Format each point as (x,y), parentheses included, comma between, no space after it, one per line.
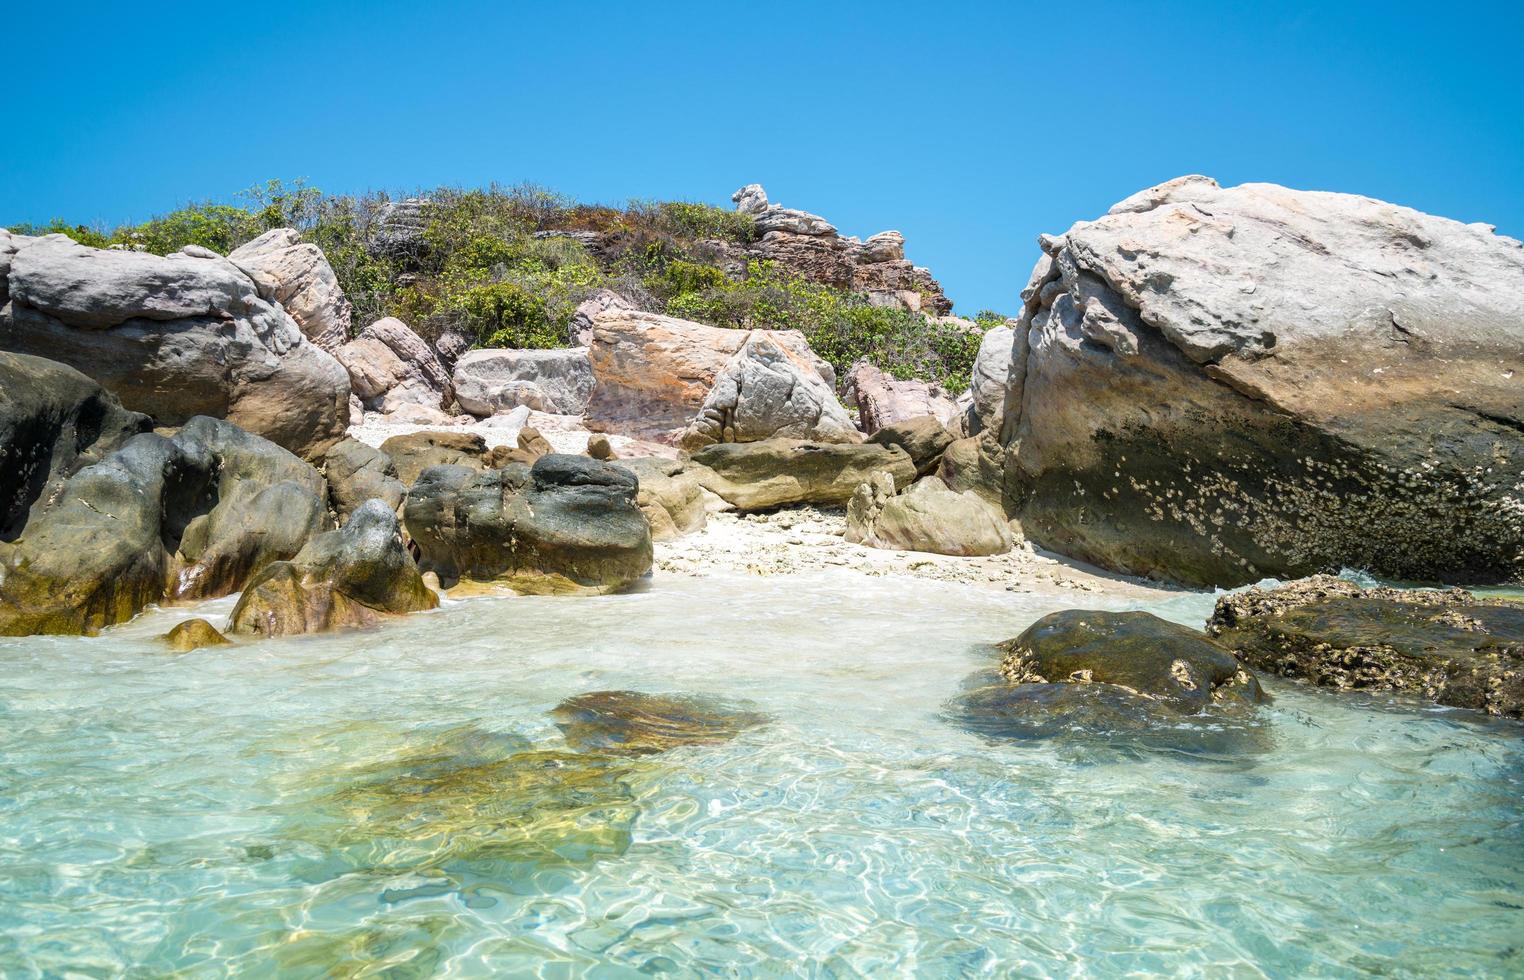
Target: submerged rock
(635,723)
(568,524)
(1448,647)
(1217,385)
(781,472)
(193,634)
(1130,676)
(350,577)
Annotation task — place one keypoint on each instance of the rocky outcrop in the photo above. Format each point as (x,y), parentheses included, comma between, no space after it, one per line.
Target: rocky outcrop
(670,497)
(786,472)
(356,473)
(653,373)
(490,381)
(579,329)
(924,439)
(1121,679)
(185,517)
(390,367)
(174,337)
(767,391)
(54,421)
(567,524)
(1216,385)
(928,517)
(400,228)
(1448,647)
(355,576)
(297,276)
(810,247)
(882,400)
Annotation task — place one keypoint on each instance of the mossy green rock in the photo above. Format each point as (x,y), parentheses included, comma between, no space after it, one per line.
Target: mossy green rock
(1448,647)
(354,576)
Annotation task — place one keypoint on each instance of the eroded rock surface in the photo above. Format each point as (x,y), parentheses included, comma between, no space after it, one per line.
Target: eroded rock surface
(927,517)
(1448,647)
(491,381)
(882,400)
(298,277)
(783,472)
(391,367)
(768,391)
(1217,385)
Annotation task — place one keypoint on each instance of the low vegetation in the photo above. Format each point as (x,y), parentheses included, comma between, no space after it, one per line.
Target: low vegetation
(507,267)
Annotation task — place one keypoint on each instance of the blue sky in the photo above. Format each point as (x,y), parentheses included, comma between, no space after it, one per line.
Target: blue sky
(971,127)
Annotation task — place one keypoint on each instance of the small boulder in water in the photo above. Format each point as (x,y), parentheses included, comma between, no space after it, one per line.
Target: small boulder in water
(193,634)
(634,723)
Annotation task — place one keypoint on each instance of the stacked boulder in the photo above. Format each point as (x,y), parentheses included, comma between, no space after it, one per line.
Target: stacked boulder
(392,369)
(1217,385)
(175,336)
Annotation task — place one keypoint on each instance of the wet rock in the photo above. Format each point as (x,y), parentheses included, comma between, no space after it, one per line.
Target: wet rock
(1448,647)
(924,438)
(356,473)
(1124,679)
(768,391)
(414,452)
(635,723)
(568,524)
(492,381)
(928,517)
(882,400)
(391,368)
(185,517)
(298,277)
(670,497)
(175,337)
(782,472)
(1217,385)
(354,576)
(54,421)
(193,634)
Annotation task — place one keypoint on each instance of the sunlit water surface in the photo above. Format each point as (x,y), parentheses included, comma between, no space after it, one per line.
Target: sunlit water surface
(399,802)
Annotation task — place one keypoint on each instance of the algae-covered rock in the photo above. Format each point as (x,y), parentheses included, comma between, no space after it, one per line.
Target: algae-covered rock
(568,524)
(783,472)
(354,576)
(1449,647)
(636,723)
(193,634)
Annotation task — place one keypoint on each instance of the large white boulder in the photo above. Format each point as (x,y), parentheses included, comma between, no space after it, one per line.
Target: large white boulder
(494,380)
(297,275)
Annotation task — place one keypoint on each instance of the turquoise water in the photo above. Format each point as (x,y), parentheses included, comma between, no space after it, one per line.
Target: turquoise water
(400,803)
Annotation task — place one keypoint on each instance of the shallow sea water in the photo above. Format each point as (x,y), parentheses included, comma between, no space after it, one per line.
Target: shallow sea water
(399,803)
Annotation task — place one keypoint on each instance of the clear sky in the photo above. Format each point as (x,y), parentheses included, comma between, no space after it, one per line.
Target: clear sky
(971,127)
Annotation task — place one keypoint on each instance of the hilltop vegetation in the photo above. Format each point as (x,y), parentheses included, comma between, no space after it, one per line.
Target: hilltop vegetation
(507,267)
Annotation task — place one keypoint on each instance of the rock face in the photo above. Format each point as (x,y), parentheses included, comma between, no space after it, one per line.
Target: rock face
(653,373)
(568,524)
(354,576)
(390,367)
(768,391)
(785,472)
(298,277)
(176,336)
(987,384)
(669,496)
(928,517)
(882,400)
(579,330)
(356,473)
(810,247)
(187,517)
(1222,384)
(54,421)
(1448,647)
(491,381)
